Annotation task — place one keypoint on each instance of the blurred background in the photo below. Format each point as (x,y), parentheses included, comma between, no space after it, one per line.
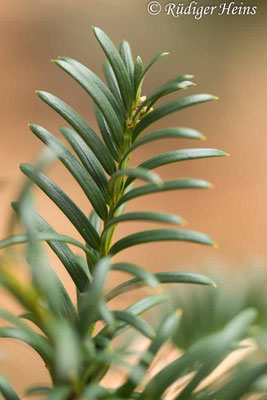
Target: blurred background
(228,57)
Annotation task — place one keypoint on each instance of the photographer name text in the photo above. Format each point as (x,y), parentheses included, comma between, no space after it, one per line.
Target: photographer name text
(198,11)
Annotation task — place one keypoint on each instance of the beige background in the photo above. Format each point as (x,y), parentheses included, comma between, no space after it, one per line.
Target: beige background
(227,55)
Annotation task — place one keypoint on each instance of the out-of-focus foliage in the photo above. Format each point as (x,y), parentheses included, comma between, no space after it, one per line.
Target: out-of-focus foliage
(210,310)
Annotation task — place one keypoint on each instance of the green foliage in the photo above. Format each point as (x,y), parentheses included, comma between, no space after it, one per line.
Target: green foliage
(76,357)
(213,310)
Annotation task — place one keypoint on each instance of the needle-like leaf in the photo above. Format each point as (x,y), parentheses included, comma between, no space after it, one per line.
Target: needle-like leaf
(7,390)
(82,128)
(66,205)
(59,392)
(168,88)
(81,175)
(67,352)
(241,384)
(175,184)
(177,156)
(126,55)
(154,60)
(66,256)
(113,83)
(34,340)
(181,155)
(138,74)
(93,77)
(133,173)
(145,276)
(38,390)
(159,235)
(162,277)
(165,331)
(145,216)
(92,303)
(87,157)
(169,133)
(137,308)
(63,252)
(169,108)
(138,82)
(97,223)
(135,322)
(45,237)
(118,67)
(99,98)
(106,134)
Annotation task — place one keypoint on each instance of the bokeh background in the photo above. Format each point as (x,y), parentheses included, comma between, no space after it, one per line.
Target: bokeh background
(227,55)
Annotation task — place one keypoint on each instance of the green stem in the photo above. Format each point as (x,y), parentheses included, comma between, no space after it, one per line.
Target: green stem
(118,187)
